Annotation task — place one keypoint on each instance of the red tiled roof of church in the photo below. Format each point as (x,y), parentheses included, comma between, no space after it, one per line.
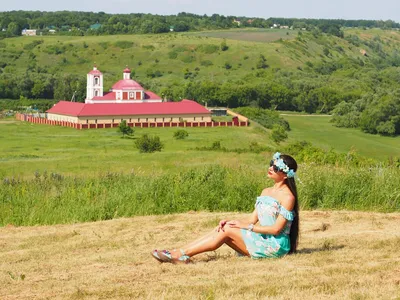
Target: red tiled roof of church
(123,109)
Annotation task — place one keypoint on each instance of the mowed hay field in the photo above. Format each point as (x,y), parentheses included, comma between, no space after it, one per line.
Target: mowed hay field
(342,255)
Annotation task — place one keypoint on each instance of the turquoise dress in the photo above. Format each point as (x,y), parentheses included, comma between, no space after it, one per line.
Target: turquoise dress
(267,245)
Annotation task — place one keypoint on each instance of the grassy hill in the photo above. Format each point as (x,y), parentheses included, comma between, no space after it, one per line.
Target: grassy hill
(346,255)
(171,54)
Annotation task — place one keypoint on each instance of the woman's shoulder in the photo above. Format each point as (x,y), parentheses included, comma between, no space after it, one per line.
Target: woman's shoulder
(287,200)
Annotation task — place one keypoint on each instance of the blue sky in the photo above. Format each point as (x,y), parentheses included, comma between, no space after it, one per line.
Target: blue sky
(324,9)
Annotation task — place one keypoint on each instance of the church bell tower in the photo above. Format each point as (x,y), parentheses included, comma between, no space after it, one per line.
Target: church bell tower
(94,85)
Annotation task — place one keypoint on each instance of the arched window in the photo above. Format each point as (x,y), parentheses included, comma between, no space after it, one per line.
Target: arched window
(96,93)
(96,81)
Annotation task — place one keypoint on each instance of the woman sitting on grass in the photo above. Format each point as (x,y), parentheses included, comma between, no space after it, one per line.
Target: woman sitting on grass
(276,212)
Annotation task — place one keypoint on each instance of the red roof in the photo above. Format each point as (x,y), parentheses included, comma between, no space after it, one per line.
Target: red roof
(127,70)
(127,84)
(67,108)
(106,96)
(123,109)
(151,95)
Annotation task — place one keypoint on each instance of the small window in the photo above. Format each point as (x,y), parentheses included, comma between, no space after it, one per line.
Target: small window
(96,80)
(96,121)
(87,121)
(147,119)
(130,120)
(138,119)
(112,120)
(131,95)
(96,93)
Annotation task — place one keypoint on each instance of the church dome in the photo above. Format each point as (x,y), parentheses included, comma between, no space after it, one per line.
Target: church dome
(127,84)
(95,71)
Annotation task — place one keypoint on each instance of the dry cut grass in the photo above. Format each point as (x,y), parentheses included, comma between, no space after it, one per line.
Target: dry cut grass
(343,255)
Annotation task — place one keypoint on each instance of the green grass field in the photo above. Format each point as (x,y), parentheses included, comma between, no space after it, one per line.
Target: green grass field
(26,147)
(321,133)
(53,175)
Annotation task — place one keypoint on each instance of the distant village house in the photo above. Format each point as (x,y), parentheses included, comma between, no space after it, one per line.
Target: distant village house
(29,32)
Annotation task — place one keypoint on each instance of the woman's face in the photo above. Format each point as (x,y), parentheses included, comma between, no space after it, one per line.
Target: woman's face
(274,173)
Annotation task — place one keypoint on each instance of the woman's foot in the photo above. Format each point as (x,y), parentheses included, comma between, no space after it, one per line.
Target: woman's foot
(174,256)
(156,254)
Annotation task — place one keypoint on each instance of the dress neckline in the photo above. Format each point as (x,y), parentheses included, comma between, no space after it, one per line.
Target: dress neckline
(270,198)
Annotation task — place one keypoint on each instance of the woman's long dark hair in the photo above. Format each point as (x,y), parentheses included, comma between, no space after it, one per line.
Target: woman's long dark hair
(294,229)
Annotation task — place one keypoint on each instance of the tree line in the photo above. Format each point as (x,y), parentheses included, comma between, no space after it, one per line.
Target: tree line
(79,23)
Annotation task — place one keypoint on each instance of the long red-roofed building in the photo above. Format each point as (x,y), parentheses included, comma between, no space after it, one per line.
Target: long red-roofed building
(127,100)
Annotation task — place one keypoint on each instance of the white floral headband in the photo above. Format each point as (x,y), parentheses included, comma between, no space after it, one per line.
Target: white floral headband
(282,166)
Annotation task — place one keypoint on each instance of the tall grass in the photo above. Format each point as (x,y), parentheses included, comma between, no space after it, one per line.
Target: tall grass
(53,199)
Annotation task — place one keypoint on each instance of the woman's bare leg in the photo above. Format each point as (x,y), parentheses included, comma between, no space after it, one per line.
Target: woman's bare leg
(201,239)
(213,240)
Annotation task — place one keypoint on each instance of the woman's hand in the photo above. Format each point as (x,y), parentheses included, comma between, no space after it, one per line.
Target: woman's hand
(221,225)
(237,224)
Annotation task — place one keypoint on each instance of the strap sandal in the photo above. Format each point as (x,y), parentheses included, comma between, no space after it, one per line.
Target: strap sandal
(156,254)
(166,256)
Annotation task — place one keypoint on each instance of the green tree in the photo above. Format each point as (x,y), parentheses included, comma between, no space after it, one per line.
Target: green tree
(278,133)
(13,28)
(125,129)
(262,62)
(148,144)
(224,46)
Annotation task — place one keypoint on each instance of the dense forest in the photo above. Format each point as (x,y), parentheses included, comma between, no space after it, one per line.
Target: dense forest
(91,23)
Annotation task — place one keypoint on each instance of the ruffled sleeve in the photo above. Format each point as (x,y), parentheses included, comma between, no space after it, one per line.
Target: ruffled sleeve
(288,215)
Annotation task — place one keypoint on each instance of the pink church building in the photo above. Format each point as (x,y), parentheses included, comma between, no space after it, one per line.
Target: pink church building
(127,100)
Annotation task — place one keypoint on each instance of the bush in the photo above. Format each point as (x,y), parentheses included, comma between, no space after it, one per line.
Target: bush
(206,63)
(148,144)
(227,66)
(187,59)
(173,55)
(224,46)
(181,134)
(104,45)
(123,44)
(207,49)
(278,133)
